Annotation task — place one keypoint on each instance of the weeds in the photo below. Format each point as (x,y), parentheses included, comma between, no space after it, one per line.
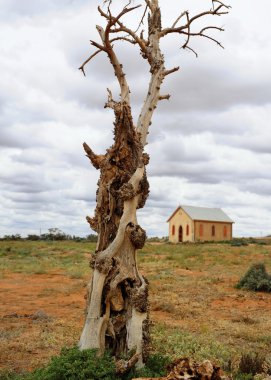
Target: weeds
(251,363)
(177,343)
(256,279)
(192,286)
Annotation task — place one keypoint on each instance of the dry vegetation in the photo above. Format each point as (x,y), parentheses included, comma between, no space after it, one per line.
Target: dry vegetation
(195,308)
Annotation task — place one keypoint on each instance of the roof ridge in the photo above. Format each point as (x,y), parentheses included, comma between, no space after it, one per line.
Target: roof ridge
(213,214)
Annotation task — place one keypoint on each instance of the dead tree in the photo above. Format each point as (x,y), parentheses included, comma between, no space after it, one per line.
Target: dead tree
(117,299)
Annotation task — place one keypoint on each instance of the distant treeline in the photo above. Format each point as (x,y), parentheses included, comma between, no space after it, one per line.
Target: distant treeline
(53,234)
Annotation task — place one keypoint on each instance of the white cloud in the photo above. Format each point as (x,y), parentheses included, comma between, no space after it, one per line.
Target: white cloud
(209,145)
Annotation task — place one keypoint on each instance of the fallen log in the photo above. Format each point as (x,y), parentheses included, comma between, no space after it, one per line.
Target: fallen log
(185,369)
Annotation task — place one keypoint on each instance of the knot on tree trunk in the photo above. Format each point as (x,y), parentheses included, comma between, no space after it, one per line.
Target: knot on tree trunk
(92,260)
(137,235)
(103,265)
(145,158)
(93,223)
(156,65)
(140,299)
(126,191)
(143,191)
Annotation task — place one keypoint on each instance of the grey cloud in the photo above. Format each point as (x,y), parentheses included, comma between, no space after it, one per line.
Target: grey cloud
(257,186)
(218,168)
(31,157)
(18,136)
(30,180)
(31,7)
(206,88)
(206,143)
(34,197)
(255,142)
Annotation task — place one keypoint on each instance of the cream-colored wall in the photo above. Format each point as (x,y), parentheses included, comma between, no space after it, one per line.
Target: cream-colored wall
(181,219)
(207,231)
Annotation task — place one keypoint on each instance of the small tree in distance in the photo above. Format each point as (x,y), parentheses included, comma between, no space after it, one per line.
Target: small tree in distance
(117,300)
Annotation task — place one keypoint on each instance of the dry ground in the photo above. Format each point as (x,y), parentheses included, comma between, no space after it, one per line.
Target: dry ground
(195,308)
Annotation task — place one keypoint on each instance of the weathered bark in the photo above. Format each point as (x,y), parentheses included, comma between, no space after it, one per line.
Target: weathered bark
(117,304)
(117,300)
(186,369)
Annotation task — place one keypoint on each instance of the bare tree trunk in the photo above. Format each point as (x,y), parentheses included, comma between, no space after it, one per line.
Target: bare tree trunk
(117,305)
(117,300)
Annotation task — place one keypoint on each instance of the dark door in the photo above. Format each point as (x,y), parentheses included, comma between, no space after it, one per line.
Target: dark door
(180,234)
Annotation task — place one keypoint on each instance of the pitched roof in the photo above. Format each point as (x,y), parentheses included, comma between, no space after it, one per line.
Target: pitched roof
(205,214)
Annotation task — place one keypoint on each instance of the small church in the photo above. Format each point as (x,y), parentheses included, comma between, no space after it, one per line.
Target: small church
(195,224)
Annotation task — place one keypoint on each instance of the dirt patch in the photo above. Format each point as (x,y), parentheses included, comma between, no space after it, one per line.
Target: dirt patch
(21,293)
(36,312)
(192,288)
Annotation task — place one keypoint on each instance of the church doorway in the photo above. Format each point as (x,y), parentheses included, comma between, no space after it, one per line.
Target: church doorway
(180,234)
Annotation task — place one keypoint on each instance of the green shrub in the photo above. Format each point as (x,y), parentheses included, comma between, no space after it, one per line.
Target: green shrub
(239,242)
(73,364)
(155,367)
(6,374)
(243,376)
(256,279)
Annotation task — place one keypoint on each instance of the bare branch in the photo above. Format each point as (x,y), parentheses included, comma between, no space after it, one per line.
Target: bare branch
(122,28)
(142,19)
(108,48)
(94,158)
(110,103)
(107,42)
(193,51)
(222,5)
(202,35)
(216,11)
(178,19)
(99,46)
(188,33)
(168,72)
(123,39)
(87,60)
(164,97)
(114,20)
(212,27)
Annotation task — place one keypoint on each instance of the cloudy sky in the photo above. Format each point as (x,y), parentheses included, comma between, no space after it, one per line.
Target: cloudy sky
(210,145)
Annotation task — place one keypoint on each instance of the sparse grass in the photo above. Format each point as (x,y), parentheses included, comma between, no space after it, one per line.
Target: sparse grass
(42,257)
(196,309)
(10,334)
(178,343)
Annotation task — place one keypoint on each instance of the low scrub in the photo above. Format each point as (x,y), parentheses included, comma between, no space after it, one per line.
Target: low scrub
(73,364)
(256,279)
(252,366)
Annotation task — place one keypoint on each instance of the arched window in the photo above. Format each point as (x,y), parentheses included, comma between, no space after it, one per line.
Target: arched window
(201,230)
(187,229)
(213,230)
(225,231)
(173,230)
